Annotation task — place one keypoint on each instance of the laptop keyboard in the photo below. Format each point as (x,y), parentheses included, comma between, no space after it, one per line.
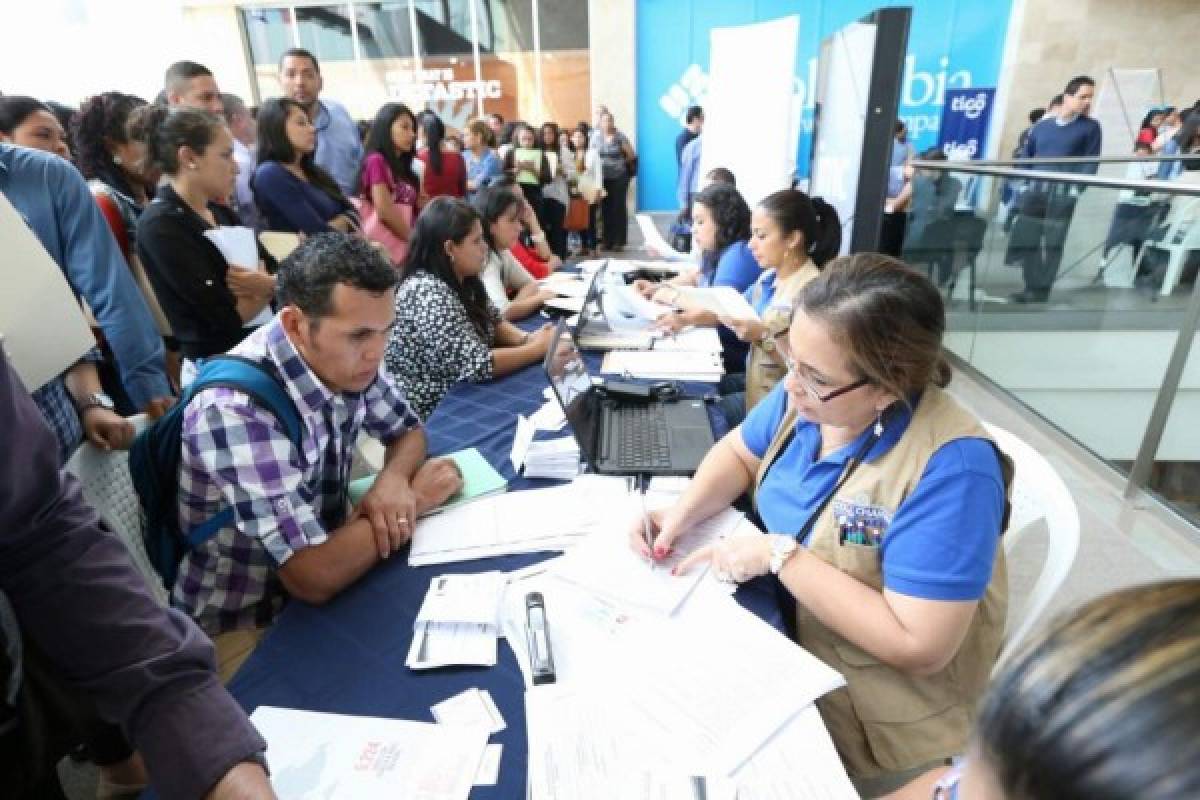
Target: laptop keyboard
(643,438)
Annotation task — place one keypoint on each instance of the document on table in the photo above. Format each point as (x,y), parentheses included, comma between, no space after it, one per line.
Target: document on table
(700,366)
(480,479)
(240,249)
(473,598)
(625,309)
(522,438)
(317,756)
(724,301)
(549,417)
(42,327)
(574,305)
(604,562)
(471,707)
(565,286)
(701,340)
(529,521)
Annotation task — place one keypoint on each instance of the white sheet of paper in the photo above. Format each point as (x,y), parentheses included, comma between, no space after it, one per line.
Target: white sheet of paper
(42,338)
(549,417)
(521,441)
(565,287)
(316,756)
(489,766)
(700,340)
(473,598)
(571,304)
(451,644)
(473,707)
(724,301)
(605,563)
(654,239)
(240,248)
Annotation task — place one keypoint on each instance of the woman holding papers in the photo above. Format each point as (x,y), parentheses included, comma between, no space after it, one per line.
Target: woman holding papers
(207,303)
(509,287)
(792,236)
(447,330)
(885,501)
(1101,704)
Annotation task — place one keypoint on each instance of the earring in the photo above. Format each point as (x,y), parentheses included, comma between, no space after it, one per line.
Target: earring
(117,160)
(879,425)
(192,165)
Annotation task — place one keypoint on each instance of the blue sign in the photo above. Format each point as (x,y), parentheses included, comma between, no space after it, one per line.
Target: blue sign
(965,118)
(952,44)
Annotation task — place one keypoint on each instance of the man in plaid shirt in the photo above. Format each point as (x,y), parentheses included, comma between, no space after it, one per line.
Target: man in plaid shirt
(293,531)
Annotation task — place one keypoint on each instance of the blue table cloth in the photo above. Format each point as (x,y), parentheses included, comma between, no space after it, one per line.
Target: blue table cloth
(347,657)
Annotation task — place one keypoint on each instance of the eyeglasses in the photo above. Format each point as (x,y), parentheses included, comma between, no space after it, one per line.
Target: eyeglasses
(799,373)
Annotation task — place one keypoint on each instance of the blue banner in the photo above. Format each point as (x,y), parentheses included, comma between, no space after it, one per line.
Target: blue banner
(952,44)
(965,119)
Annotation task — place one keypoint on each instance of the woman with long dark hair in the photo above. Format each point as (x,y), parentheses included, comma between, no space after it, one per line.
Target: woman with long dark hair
(509,285)
(446,328)
(557,193)
(388,186)
(292,192)
(445,172)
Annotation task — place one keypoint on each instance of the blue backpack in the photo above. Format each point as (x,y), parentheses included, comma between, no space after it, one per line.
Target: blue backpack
(154,459)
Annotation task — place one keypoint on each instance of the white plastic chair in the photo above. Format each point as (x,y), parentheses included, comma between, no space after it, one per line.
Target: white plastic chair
(108,487)
(1181,240)
(1037,493)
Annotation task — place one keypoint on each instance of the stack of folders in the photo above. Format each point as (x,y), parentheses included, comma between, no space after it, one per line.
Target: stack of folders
(554,459)
(457,623)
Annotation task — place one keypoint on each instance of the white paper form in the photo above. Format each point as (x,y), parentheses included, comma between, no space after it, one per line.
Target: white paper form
(549,417)
(41,323)
(700,340)
(711,686)
(518,522)
(724,301)
(604,562)
(316,756)
(451,644)
(240,248)
(573,305)
(565,286)
(471,707)
(471,598)
(800,763)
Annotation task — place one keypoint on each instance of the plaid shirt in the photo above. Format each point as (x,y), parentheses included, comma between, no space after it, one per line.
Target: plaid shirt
(284,499)
(58,409)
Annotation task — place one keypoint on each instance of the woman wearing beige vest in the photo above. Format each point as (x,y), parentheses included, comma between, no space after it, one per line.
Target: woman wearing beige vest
(792,236)
(884,501)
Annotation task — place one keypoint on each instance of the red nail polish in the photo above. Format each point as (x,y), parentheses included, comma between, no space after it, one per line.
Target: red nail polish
(660,552)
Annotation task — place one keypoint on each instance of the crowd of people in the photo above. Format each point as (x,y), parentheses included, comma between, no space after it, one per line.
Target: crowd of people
(417,252)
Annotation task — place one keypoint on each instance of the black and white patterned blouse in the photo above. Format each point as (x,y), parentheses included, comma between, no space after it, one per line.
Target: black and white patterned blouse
(434,345)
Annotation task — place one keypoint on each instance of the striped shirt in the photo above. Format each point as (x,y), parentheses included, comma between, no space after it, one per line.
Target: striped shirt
(235,453)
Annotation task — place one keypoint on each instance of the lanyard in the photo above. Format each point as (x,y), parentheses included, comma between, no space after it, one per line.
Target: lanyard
(859,456)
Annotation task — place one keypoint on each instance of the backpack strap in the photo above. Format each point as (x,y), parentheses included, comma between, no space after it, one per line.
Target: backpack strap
(261,383)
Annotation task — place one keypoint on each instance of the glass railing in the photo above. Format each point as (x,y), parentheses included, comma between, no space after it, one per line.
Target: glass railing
(1076,294)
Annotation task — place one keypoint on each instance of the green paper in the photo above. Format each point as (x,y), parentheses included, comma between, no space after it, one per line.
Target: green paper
(479,478)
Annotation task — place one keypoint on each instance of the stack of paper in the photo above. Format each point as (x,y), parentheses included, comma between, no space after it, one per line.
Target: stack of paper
(549,417)
(665,365)
(315,755)
(565,285)
(480,479)
(457,623)
(700,340)
(531,521)
(240,249)
(556,459)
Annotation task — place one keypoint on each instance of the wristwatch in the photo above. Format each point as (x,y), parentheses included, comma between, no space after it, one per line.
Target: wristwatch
(96,400)
(782,548)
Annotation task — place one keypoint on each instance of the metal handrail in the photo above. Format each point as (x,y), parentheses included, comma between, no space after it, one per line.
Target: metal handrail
(1079,179)
(1007,162)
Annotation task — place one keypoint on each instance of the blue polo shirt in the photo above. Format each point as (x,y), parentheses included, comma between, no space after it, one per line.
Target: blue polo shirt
(941,543)
(736,267)
(59,208)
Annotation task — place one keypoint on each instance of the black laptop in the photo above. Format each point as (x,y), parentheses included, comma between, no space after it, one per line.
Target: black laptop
(652,438)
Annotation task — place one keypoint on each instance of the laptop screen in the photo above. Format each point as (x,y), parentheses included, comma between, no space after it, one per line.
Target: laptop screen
(592,305)
(571,382)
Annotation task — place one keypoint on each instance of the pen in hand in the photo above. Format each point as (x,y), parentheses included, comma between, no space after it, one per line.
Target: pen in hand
(648,529)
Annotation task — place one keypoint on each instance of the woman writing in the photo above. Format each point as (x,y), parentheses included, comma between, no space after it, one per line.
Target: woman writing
(885,501)
(509,286)
(207,300)
(291,191)
(388,186)
(446,328)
